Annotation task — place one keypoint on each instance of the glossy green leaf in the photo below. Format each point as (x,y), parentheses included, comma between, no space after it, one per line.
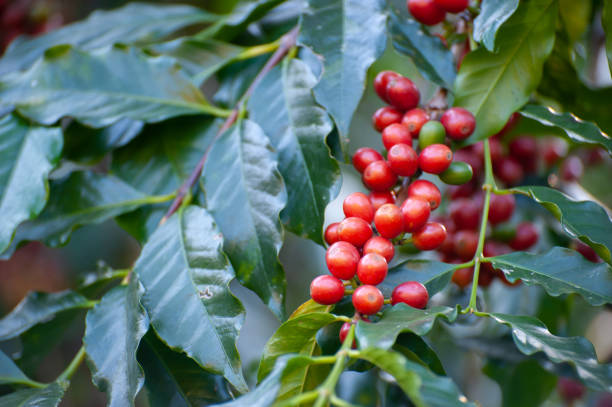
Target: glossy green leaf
(349,35)
(39,307)
(397,319)
(27,154)
(308,307)
(414,347)
(10,373)
(560,271)
(576,129)
(606,22)
(185,276)
(235,78)
(113,330)
(493,14)
(98,87)
(48,396)
(584,220)
(245,194)
(284,107)
(431,57)
(494,85)
(531,336)
(133,23)
(432,274)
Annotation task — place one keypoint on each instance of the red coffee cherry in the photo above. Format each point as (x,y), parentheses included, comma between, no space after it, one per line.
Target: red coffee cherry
(509,170)
(364,157)
(379,245)
(378,176)
(426,11)
(526,236)
(493,249)
(458,122)
(554,149)
(452,6)
(501,208)
(386,116)
(402,93)
(465,244)
(430,236)
(414,119)
(354,230)
(569,389)
(435,158)
(415,212)
(367,299)
(523,148)
(394,134)
(428,191)
(571,169)
(342,259)
(388,221)
(378,199)
(381,81)
(463,277)
(465,212)
(326,290)
(469,156)
(358,205)
(586,251)
(403,160)
(372,269)
(331,233)
(344,330)
(485,275)
(410,293)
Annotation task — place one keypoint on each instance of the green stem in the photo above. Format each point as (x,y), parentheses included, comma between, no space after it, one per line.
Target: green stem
(73,366)
(31,383)
(257,50)
(324,360)
(337,401)
(299,399)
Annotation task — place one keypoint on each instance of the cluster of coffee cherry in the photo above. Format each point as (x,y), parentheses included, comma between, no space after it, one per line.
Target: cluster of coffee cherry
(432,12)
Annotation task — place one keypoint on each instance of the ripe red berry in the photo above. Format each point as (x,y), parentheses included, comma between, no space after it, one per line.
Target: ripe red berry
(381,81)
(586,251)
(435,158)
(501,208)
(430,236)
(358,205)
(415,213)
(378,199)
(414,119)
(458,122)
(326,290)
(569,389)
(493,249)
(372,269)
(386,116)
(509,170)
(403,160)
(364,157)
(331,233)
(485,275)
(344,330)
(526,236)
(402,93)
(463,277)
(378,176)
(367,299)
(354,230)
(465,243)
(469,156)
(379,245)
(426,11)
(410,293)
(523,148)
(428,191)
(465,212)
(452,6)
(571,169)
(394,134)
(388,221)
(342,259)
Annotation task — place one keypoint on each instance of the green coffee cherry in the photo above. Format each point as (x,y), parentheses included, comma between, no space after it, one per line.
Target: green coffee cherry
(432,132)
(457,173)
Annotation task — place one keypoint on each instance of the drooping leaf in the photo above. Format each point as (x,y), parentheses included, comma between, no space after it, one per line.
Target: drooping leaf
(494,85)
(576,129)
(98,87)
(284,107)
(27,154)
(10,373)
(309,307)
(431,57)
(349,35)
(606,22)
(531,336)
(413,346)
(560,271)
(113,330)
(39,307)
(432,274)
(133,23)
(185,276)
(397,319)
(493,14)
(48,396)
(584,220)
(245,194)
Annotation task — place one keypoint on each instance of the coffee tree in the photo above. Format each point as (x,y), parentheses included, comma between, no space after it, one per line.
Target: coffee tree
(209,137)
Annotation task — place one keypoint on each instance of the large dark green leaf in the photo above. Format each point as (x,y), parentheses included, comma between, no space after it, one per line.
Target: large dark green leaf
(493,14)
(133,23)
(431,57)
(560,271)
(397,319)
(284,107)
(494,85)
(576,130)
(414,347)
(349,35)
(39,307)
(98,87)
(245,194)
(48,396)
(113,329)
(10,373)
(185,276)
(606,22)
(27,154)
(531,336)
(434,275)
(584,220)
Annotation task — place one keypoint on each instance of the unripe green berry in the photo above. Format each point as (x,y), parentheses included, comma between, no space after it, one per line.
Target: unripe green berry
(432,132)
(457,173)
